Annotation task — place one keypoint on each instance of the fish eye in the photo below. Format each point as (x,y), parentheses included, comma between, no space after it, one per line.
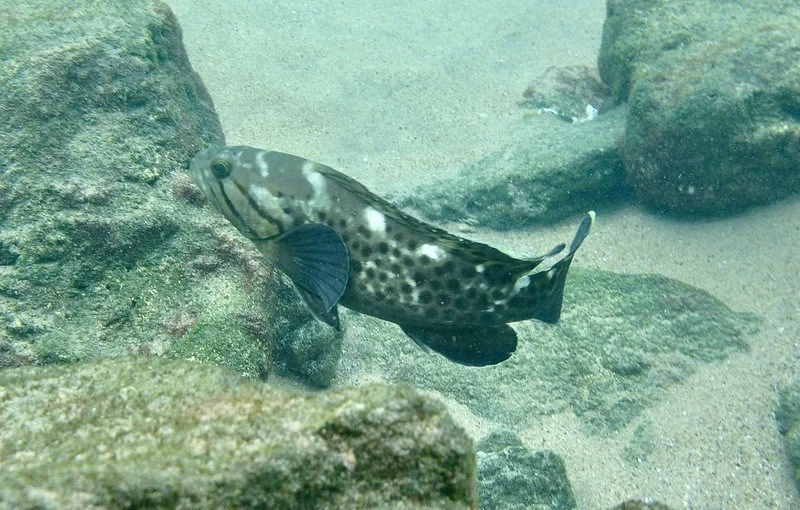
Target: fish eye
(221,168)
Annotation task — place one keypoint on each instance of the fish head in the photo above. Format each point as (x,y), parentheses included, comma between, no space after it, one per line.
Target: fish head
(235,181)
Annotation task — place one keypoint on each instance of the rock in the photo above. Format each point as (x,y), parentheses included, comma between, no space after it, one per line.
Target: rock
(621,341)
(512,477)
(788,418)
(309,354)
(714,102)
(550,170)
(105,247)
(149,433)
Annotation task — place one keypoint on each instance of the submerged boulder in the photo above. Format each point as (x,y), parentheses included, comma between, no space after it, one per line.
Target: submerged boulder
(549,170)
(512,477)
(621,342)
(149,433)
(788,418)
(105,248)
(713,123)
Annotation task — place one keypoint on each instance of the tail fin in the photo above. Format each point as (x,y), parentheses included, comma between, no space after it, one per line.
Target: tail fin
(549,310)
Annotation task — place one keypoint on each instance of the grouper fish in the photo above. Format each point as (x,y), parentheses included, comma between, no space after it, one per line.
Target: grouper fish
(341,244)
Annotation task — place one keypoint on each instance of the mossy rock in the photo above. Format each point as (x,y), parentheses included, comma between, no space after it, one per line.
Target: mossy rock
(150,433)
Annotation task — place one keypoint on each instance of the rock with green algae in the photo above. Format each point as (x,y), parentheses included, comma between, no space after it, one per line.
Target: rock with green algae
(105,246)
(511,477)
(713,122)
(788,417)
(148,433)
(547,171)
(621,341)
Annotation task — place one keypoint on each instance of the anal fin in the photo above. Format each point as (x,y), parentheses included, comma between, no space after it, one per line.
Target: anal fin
(476,346)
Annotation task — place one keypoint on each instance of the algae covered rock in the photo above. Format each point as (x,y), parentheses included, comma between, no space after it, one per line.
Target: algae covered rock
(512,477)
(788,418)
(713,122)
(549,170)
(105,248)
(621,341)
(309,354)
(148,433)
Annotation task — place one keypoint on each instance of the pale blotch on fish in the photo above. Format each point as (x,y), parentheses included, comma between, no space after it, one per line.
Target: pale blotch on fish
(341,244)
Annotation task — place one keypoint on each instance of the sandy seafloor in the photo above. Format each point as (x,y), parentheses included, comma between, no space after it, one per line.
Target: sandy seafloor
(398,94)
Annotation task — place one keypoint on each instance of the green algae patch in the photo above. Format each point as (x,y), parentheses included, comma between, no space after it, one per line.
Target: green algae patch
(149,433)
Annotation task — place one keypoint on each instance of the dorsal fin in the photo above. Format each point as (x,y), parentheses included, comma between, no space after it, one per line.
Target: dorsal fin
(473,251)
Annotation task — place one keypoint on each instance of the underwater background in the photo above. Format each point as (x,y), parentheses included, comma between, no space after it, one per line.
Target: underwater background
(402,95)
(433,104)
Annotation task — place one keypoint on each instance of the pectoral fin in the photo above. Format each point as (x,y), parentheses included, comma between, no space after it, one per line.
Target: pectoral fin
(477,346)
(315,258)
(317,308)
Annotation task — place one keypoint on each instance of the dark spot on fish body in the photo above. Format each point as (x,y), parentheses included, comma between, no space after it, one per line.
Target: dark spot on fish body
(355,266)
(496,275)
(425,297)
(486,317)
(460,303)
(383,248)
(396,269)
(379,296)
(406,288)
(498,294)
(408,261)
(481,302)
(469,271)
(453,285)
(444,269)
(518,301)
(364,231)
(366,251)
(370,273)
